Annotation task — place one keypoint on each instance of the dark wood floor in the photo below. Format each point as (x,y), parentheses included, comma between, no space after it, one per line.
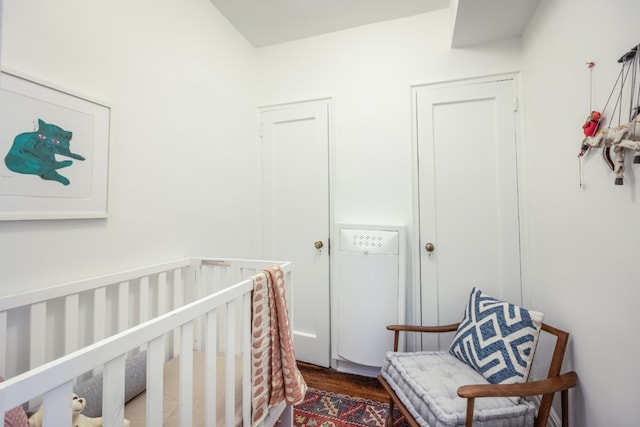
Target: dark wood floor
(339,382)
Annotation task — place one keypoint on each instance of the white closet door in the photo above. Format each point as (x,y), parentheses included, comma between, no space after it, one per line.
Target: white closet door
(295,216)
(468,190)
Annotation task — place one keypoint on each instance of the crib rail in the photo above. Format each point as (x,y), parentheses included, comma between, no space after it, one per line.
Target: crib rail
(48,323)
(56,377)
(180,305)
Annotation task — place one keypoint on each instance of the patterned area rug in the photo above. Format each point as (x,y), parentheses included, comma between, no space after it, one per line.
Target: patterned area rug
(325,409)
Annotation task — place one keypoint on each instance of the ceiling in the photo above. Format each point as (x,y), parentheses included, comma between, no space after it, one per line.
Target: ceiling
(268,22)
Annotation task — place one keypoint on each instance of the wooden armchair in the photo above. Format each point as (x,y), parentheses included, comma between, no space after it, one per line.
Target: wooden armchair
(546,388)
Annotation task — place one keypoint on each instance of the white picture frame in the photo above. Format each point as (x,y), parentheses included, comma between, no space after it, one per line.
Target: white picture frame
(41,176)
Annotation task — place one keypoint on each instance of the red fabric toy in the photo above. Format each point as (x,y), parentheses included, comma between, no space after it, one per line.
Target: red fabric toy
(591,125)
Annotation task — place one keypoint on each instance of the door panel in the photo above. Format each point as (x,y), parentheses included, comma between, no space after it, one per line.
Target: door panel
(295,215)
(468,197)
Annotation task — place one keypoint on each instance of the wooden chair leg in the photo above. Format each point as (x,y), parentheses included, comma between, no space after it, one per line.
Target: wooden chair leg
(470,404)
(564,396)
(390,416)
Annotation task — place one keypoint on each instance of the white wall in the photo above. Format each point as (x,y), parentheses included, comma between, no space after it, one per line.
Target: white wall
(184,84)
(369,71)
(181,82)
(580,244)
(583,243)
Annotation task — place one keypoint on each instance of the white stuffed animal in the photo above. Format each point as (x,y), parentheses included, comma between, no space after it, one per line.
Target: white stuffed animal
(77,419)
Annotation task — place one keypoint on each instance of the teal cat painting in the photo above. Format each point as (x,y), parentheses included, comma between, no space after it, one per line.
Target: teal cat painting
(35,152)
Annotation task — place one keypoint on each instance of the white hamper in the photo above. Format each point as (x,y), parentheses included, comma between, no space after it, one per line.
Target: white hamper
(368,294)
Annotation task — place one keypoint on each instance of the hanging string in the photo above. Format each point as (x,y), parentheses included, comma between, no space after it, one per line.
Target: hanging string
(619,99)
(636,107)
(580,171)
(633,87)
(590,66)
(612,91)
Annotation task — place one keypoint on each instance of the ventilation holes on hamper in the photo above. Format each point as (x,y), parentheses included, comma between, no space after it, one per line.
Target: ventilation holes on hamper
(367,240)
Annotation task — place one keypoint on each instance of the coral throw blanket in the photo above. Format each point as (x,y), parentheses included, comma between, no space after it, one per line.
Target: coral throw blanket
(275,375)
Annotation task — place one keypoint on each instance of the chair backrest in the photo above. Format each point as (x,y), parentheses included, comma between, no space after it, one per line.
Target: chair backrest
(562,338)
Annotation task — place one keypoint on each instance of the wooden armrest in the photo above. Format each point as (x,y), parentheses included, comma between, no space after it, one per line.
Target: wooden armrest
(549,385)
(416,328)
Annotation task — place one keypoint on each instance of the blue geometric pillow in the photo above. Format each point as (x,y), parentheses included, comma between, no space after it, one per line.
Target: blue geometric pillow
(497,339)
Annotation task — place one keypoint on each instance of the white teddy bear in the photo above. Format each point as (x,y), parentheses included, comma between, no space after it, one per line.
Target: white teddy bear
(77,419)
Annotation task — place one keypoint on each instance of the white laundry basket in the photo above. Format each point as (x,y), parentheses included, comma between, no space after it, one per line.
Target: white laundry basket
(368,290)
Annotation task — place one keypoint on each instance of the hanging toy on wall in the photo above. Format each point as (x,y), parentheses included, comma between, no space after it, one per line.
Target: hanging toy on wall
(614,141)
(591,125)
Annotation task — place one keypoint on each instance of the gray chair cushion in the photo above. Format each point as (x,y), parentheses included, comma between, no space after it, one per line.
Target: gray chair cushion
(427,384)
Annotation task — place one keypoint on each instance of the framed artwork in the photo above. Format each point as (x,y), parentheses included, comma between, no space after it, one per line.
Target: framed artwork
(54,147)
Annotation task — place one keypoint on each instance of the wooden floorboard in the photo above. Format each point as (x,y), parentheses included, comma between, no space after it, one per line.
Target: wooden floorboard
(339,382)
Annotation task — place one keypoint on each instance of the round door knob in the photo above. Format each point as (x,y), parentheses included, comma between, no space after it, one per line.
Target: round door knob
(429,247)
(318,244)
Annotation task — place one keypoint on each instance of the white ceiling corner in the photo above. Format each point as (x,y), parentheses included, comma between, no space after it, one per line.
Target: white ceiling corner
(268,22)
(482,21)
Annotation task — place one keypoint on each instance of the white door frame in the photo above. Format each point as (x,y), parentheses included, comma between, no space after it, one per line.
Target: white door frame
(413,341)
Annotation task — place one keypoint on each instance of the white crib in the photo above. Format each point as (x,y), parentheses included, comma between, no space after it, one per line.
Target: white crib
(57,337)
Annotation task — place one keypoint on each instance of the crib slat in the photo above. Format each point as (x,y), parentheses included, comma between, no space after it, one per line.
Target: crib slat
(200,290)
(99,313)
(123,306)
(38,324)
(246,360)
(113,392)
(162,293)
(155,385)
(3,344)
(144,299)
(211,366)
(230,371)
(71,322)
(178,288)
(194,277)
(178,301)
(206,277)
(186,376)
(56,406)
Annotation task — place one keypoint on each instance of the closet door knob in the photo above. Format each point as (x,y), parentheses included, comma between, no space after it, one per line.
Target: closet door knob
(318,244)
(429,247)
